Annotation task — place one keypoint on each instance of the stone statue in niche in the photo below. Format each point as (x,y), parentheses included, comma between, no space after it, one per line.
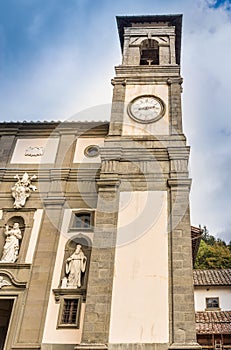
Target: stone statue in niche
(74,267)
(3,282)
(11,246)
(22,189)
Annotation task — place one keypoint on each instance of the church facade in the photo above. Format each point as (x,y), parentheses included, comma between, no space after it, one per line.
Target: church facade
(95,242)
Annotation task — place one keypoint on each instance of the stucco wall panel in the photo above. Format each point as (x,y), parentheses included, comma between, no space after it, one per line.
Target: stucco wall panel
(139,311)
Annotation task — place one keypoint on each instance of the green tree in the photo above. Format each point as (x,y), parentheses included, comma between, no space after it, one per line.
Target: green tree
(213,253)
(229,245)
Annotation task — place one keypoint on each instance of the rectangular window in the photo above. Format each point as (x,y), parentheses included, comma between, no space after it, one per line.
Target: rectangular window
(82,221)
(212,303)
(69,315)
(69,312)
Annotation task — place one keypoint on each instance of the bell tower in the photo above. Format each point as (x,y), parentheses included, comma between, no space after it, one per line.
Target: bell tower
(150,66)
(140,289)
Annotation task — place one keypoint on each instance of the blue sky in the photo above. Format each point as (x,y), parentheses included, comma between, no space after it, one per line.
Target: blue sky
(57,58)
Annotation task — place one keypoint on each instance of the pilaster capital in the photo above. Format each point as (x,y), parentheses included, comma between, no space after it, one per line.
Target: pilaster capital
(179,183)
(108,184)
(173,80)
(115,81)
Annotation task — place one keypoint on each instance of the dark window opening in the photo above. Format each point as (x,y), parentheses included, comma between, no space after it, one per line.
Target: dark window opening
(6,306)
(149,52)
(69,314)
(212,303)
(82,221)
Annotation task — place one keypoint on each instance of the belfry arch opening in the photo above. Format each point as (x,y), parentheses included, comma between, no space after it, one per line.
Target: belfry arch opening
(149,52)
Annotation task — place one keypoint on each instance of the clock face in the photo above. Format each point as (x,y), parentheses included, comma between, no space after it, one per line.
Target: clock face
(146,108)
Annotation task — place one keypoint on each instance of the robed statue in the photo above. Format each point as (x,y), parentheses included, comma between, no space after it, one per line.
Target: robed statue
(11,246)
(75,266)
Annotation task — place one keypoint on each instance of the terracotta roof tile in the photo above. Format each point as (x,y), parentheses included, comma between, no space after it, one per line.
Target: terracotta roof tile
(215,277)
(213,322)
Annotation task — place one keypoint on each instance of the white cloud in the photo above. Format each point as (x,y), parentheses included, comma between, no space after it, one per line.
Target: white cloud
(206,58)
(56,86)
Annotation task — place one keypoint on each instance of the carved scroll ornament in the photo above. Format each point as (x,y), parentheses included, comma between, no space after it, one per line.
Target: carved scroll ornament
(4,283)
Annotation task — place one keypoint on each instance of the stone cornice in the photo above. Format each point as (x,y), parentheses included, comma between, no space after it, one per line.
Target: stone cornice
(9,275)
(134,154)
(164,72)
(54,129)
(13,266)
(185,346)
(178,152)
(145,138)
(25,346)
(58,292)
(53,202)
(54,174)
(91,346)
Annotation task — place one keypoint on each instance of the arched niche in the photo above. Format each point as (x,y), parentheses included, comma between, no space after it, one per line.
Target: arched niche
(17,219)
(149,52)
(70,247)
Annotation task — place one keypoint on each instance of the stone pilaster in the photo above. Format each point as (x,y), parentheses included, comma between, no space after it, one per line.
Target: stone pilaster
(117,110)
(34,313)
(183,332)
(6,146)
(175,111)
(98,302)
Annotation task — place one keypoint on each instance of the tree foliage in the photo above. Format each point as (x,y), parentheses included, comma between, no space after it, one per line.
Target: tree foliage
(213,253)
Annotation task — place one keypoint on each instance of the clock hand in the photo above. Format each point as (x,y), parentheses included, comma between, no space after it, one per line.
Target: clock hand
(146,108)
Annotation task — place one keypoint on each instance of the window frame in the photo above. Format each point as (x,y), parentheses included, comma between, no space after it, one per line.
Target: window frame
(88,155)
(83,212)
(212,307)
(75,325)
